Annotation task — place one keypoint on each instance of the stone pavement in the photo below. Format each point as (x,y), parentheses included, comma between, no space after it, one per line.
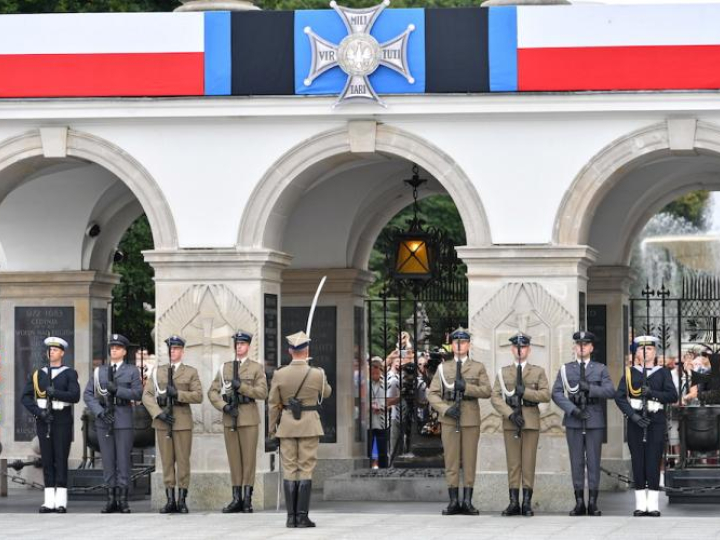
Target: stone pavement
(356,520)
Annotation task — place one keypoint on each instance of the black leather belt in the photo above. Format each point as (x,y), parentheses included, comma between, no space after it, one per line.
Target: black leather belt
(305,407)
(448,396)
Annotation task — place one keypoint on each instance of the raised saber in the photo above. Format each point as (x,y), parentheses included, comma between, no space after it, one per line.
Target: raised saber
(314,305)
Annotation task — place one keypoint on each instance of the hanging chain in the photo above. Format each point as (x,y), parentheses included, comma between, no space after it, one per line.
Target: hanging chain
(627,481)
(17,479)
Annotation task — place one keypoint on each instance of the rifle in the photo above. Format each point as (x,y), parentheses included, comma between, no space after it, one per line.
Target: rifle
(48,399)
(518,400)
(583,396)
(170,400)
(458,394)
(234,397)
(110,401)
(647,293)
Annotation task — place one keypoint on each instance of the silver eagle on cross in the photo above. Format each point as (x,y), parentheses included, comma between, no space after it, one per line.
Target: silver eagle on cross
(359,54)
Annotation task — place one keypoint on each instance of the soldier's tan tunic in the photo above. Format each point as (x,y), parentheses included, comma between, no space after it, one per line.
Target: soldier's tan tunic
(460,449)
(241,445)
(521,453)
(299,439)
(175,451)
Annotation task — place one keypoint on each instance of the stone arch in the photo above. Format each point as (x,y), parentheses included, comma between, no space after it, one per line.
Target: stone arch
(601,174)
(262,223)
(20,156)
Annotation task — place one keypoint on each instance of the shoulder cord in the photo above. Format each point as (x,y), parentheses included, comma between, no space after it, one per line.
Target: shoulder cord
(153,375)
(504,389)
(96,376)
(566,384)
(634,392)
(442,378)
(224,386)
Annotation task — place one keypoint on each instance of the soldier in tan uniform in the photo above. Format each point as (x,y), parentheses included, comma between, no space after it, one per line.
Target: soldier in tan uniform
(520,382)
(456,401)
(173,427)
(296,393)
(237,385)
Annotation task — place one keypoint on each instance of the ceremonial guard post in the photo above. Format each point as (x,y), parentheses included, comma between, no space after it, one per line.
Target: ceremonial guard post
(454,392)
(642,394)
(519,389)
(296,394)
(580,389)
(109,395)
(49,396)
(170,390)
(234,391)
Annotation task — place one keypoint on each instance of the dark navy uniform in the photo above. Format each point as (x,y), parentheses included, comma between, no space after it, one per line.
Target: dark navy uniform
(116,444)
(56,416)
(646,457)
(584,449)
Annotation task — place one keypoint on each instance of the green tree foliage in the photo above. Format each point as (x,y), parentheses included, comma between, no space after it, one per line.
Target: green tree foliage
(136,289)
(693,206)
(324,4)
(85,6)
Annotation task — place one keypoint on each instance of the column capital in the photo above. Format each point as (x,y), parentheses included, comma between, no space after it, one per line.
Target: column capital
(217,264)
(608,279)
(339,281)
(527,261)
(217,5)
(71,284)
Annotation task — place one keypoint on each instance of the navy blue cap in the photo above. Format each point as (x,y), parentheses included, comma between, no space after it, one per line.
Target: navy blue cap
(242,336)
(520,339)
(175,341)
(119,340)
(460,333)
(584,337)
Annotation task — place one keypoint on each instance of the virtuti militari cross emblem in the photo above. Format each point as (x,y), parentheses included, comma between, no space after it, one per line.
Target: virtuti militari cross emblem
(359,54)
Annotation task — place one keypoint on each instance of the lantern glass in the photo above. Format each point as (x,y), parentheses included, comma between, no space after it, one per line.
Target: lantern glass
(413,257)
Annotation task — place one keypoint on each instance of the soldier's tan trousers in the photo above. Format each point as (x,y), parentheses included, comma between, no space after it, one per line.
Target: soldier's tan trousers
(521,454)
(175,451)
(460,449)
(241,447)
(299,457)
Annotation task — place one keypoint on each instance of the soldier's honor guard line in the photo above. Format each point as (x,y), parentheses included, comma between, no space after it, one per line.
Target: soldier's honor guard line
(235,390)
(49,396)
(169,392)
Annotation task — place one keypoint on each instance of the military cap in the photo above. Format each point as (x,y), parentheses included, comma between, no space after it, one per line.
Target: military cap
(175,341)
(53,341)
(646,341)
(119,340)
(460,334)
(298,341)
(242,336)
(583,337)
(520,339)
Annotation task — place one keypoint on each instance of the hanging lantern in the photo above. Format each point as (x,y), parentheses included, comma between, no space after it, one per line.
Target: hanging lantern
(414,248)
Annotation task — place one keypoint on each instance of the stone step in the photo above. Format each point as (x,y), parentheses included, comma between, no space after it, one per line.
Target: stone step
(409,485)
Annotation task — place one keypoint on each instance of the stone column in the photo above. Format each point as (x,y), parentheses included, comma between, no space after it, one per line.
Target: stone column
(217,5)
(345,290)
(534,289)
(609,286)
(32,306)
(206,296)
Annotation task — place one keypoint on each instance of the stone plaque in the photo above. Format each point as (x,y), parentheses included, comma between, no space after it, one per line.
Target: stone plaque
(271,353)
(323,350)
(32,326)
(99,336)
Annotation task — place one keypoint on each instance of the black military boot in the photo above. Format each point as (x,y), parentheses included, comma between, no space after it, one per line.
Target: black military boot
(513,508)
(579,509)
(181,507)
(527,503)
(169,507)
(467,506)
(454,507)
(303,504)
(111,504)
(247,500)
(122,501)
(592,509)
(236,504)
(291,491)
